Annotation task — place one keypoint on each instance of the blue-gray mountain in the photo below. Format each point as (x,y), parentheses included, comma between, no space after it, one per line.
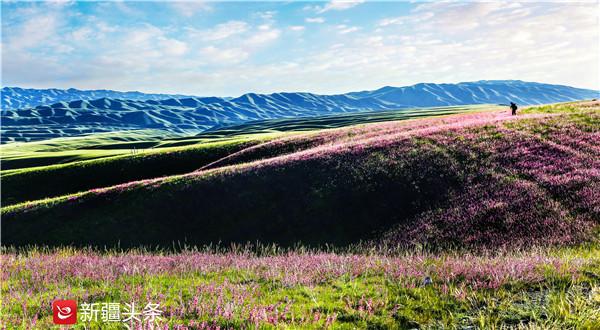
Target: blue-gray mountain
(195,114)
(22,98)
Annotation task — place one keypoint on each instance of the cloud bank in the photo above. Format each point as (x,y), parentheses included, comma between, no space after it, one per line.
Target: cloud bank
(228,48)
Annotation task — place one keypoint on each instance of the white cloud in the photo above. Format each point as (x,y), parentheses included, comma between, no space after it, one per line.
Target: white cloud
(59,3)
(419,52)
(190,8)
(459,41)
(81,34)
(339,5)
(173,47)
(221,31)
(266,15)
(63,49)
(438,42)
(311,8)
(412,19)
(344,29)
(122,6)
(142,36)
(314,20)
(222,56)
(35,31)
(104,27)
(262,37)
(391,21)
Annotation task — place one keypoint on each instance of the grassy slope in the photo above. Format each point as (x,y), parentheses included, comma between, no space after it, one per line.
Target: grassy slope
(55,180)
(21,155)
(62,150)
(99,145)
(27,175)
(341,120)
(349,184)
(539,289)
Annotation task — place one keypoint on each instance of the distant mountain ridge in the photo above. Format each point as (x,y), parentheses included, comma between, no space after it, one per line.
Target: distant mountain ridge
(195,114)
(21,98)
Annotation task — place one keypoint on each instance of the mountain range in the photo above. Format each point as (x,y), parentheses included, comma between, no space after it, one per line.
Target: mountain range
(22,98)
(76,114)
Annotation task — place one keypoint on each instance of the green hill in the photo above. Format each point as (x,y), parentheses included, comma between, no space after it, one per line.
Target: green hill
(473,180)
(61,166)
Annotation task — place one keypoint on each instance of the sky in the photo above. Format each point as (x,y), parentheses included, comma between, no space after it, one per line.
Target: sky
(231,48)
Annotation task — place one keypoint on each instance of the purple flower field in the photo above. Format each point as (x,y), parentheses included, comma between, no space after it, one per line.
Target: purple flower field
(204,290)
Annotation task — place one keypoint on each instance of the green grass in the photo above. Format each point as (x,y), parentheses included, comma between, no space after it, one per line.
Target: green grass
(34,183)
(369,300)
(61,166)
(21,155)
(71,149)
(63,150)
(339,199)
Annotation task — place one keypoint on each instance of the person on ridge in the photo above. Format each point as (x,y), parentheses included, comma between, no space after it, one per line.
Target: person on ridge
(513,108)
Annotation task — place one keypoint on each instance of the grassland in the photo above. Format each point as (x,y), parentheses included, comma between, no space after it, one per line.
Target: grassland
(55,180)
(470,221)
(274,289)
(60,151)
(93,146)
(462,180)
(56,167)
(341,120)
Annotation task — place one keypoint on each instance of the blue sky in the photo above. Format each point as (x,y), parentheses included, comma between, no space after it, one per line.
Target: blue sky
(230,48)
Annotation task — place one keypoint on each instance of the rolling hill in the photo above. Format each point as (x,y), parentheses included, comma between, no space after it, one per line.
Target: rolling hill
(192,115)
(30,170)
(468,180)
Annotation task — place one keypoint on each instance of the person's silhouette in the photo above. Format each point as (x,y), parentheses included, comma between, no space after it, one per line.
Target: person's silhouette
(513,108)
